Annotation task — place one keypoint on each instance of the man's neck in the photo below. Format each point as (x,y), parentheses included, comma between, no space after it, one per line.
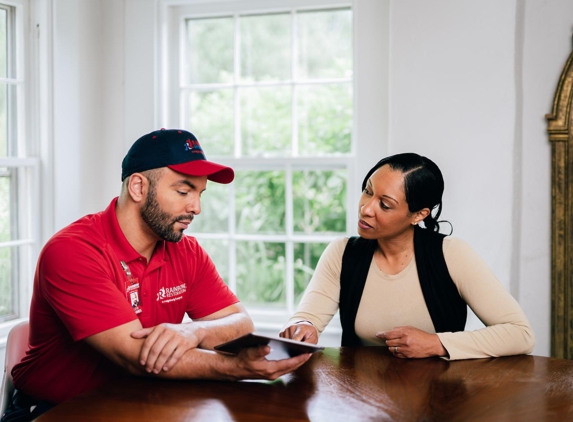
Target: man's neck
(135,230)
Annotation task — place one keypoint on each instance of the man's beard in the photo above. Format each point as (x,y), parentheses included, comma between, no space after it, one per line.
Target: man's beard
(159,221)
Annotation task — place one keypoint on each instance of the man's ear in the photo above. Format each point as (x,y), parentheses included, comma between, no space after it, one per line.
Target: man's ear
(137,187)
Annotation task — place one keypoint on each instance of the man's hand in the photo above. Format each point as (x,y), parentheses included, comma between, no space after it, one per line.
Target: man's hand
(301,331)
(410,342)
(165,344)
(158,350)
(250,363)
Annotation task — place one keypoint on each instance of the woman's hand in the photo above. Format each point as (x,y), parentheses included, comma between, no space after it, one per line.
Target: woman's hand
(410,342)
(301,331)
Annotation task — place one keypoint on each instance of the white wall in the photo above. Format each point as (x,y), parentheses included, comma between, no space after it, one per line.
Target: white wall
(112,89)
(77,55)
(452,99)
(469,85)
(103,97)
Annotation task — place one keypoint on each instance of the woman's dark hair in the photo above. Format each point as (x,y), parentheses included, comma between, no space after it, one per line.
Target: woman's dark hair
(423,184)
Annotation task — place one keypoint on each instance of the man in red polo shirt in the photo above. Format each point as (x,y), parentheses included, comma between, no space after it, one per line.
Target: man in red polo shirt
(112,288)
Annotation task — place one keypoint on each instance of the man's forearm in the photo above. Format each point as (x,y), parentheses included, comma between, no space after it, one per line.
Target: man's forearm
(195,364)
(217,331)
(249,364)
(125,349)
(157,349)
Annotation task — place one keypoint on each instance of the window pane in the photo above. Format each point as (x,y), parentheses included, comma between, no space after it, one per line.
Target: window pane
(261,272)
(325,44)
(266,47)
(3,44)
(266,121)
(306,257)
(7,292)
(211,121)
(6,218)
(209,51)
(8,256)
(325,119)
(218,250)
(260,202)
(4,147)
(214,216)
(319,199)
(9,206)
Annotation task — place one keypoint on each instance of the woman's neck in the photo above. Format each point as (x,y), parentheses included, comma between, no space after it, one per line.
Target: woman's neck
(393,255)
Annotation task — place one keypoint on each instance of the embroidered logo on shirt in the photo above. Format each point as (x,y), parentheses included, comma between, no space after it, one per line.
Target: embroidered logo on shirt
(171,294)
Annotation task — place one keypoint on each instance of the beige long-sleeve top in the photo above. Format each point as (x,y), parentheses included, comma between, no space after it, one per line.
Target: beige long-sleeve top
(390,301)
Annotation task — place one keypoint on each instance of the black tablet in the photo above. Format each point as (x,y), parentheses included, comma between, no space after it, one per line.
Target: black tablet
(281,348)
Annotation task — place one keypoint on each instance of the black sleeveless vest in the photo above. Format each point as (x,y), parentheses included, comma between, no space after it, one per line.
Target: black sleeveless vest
(445,305)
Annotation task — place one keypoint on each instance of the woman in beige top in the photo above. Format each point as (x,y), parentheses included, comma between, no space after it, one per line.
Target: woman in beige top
(408,290)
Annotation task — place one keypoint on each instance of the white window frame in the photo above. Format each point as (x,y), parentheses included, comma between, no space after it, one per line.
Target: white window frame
(370,93)
(26,166)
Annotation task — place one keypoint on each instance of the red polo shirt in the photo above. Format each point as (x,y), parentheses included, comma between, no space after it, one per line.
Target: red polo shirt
(80,290)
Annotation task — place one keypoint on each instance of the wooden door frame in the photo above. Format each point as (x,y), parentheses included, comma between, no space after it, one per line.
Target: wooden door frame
(559,123)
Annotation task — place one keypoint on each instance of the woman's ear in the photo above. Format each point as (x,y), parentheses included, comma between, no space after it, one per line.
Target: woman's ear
(420,215)
(137,187)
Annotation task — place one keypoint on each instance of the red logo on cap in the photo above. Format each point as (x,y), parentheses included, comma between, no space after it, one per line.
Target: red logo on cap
(193,146)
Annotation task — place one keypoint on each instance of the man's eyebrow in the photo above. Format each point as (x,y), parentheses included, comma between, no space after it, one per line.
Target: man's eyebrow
(188,183)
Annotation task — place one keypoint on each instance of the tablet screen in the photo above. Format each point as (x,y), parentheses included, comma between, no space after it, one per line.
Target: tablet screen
(281,348)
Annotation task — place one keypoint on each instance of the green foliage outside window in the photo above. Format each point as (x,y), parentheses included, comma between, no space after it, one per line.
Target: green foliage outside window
(266,121)
(306,257)
(6,292)
(260,202)
(209,50)
(261,272)
(211,121)
(6,252)
(3,74)
(265,47)
(319,199)
(324,120)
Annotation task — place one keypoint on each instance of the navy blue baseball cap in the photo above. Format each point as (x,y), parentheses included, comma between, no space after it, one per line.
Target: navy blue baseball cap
(174,148)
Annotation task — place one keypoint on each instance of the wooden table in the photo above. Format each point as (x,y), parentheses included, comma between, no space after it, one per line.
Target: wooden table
(347,384)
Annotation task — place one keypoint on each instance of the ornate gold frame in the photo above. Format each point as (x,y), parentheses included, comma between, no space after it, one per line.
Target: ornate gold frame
(561,137)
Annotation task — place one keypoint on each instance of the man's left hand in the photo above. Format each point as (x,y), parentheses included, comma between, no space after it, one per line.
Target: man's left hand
(165,344)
